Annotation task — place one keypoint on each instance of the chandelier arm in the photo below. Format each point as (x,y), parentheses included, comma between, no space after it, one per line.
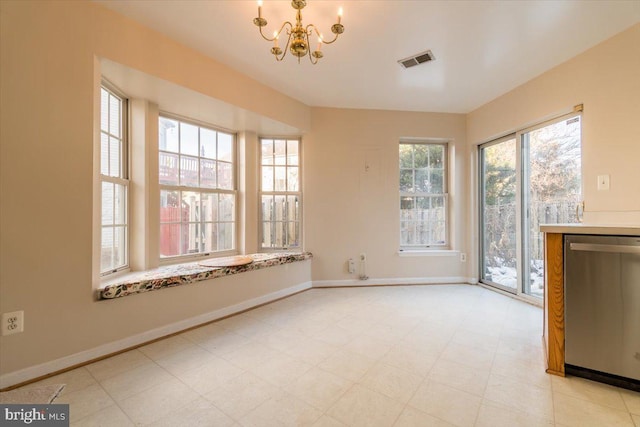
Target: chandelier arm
(310,29)
(330,41)
(284,51)
(279,31)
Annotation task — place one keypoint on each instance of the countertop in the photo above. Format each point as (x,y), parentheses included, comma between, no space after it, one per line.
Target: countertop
(615,230)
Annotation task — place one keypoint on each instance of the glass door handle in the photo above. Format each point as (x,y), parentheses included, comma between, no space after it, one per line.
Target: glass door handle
(579,211)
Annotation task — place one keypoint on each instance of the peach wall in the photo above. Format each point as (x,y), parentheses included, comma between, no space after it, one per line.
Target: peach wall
(47,57)
(606,80)
(48,52)
(349,210)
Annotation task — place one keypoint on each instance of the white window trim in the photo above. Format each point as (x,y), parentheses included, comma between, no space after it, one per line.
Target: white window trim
(280,193)
(427,252)
(178,259)
(126,167)
(444,249)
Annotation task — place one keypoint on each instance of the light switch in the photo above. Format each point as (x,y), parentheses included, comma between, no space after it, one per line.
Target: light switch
(603,182)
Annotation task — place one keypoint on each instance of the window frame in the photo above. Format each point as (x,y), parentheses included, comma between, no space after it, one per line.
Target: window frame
(201,190)
(122,180)
(431,246)
(298,194)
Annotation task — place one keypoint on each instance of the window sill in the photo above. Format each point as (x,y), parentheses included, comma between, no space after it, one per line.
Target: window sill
(112,277)
(195,258)
(186,273)
(428,252)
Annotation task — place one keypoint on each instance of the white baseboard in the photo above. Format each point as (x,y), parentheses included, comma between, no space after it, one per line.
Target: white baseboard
(32,372)
(392,281)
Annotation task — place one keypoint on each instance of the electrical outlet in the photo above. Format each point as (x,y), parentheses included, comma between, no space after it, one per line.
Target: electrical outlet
(13,323)
(463,257)
(352,266)
(363,257)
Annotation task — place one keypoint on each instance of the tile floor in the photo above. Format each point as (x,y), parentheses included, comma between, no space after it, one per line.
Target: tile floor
(438,355)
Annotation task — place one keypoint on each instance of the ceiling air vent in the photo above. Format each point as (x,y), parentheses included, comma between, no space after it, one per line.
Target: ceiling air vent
(417,59)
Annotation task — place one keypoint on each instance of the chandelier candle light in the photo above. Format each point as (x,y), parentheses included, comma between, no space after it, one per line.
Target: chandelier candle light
(298,37)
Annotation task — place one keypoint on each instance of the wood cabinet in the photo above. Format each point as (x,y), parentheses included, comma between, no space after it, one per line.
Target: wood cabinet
(554,304)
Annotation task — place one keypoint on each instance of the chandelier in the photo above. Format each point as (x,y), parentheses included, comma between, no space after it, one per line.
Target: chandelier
(298,37)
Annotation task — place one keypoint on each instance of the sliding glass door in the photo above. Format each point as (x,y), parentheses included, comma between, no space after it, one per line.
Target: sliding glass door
(526,179)
(498,213)
(552,193)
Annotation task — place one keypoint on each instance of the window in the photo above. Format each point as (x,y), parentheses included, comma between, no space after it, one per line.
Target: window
(114,182)
(280,195)
(423,195)
(197,189)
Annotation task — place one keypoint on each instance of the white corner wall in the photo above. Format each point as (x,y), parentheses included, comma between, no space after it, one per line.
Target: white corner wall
(351,194)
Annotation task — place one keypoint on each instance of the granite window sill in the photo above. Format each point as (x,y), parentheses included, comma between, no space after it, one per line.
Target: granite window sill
(184,274)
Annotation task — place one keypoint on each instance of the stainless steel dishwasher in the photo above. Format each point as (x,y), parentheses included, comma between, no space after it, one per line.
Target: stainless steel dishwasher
(602,308)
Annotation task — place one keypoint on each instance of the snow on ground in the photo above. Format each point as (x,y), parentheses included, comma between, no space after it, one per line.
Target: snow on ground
(508,276)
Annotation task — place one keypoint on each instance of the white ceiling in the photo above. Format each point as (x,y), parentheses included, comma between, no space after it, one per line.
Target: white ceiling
(482,48)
